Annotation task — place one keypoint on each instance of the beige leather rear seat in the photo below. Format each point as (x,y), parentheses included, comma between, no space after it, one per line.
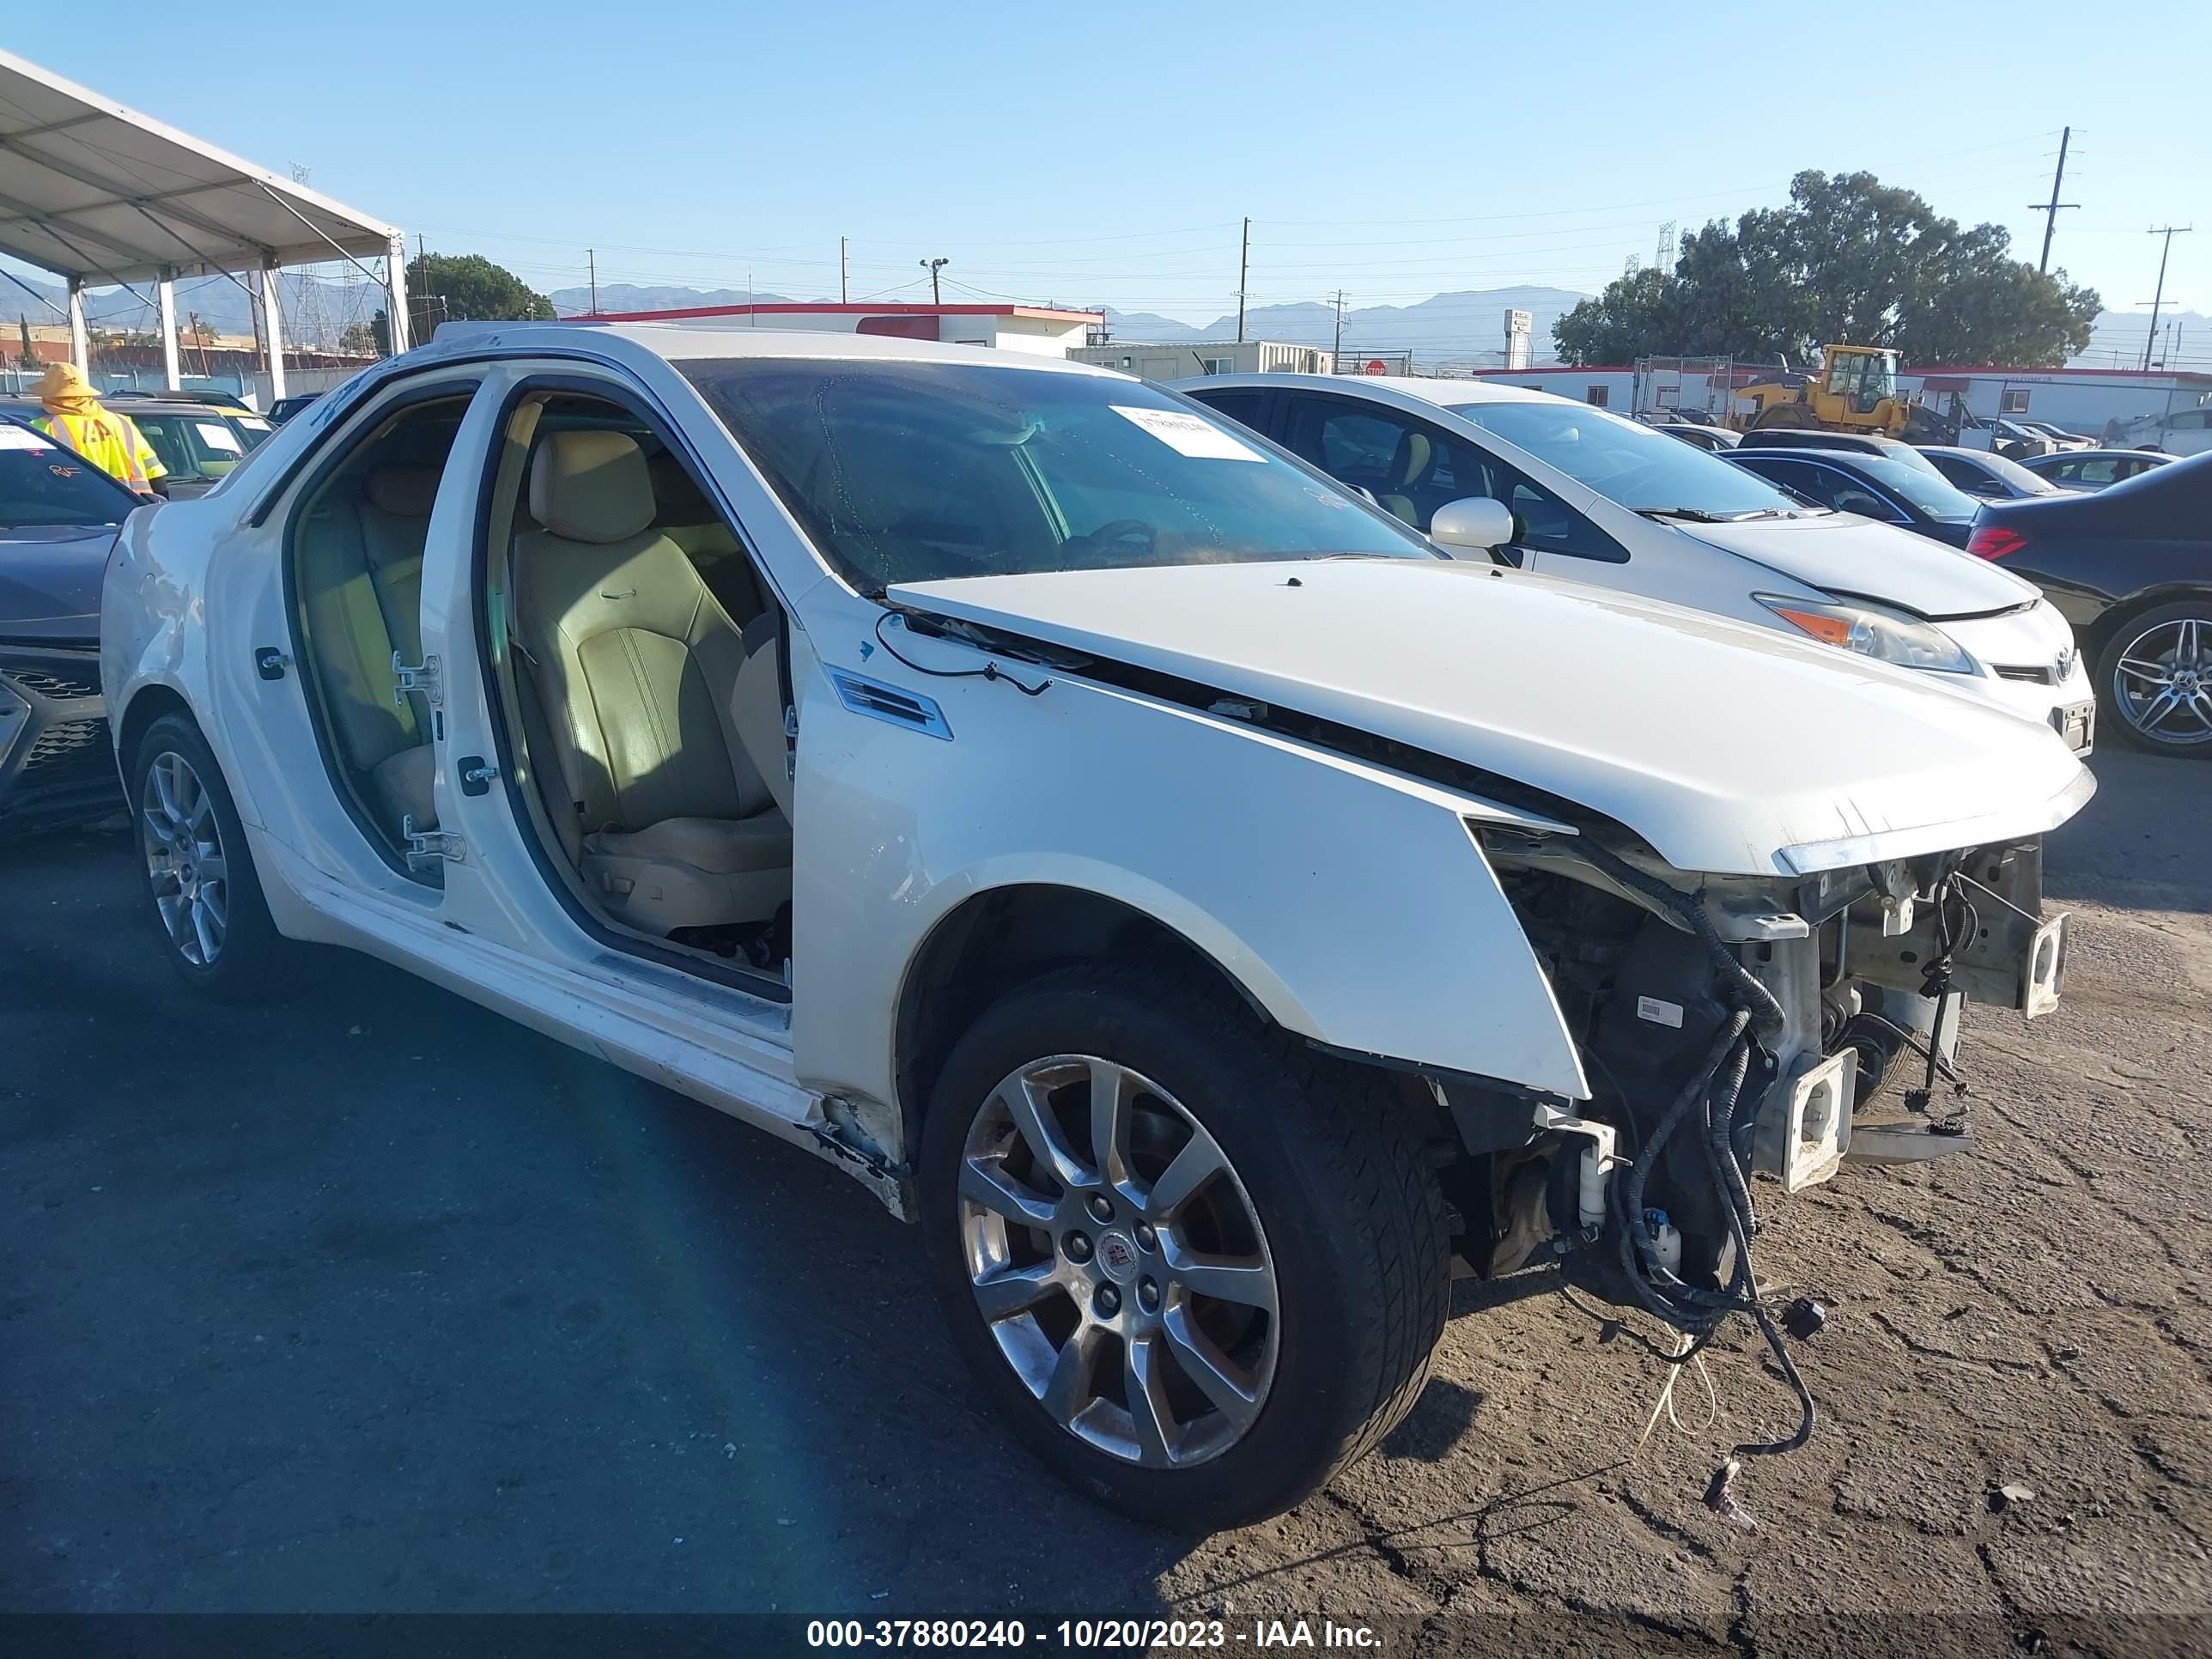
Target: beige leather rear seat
(636,664)
(360,571)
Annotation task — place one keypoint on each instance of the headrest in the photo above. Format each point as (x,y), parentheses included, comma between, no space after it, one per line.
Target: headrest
(404,492)
(590,486)
(681,501)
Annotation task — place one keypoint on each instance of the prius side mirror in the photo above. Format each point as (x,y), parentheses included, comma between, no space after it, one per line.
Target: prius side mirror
(1477,524)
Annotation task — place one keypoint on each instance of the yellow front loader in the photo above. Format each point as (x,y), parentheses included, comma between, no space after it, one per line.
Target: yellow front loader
(1856,391)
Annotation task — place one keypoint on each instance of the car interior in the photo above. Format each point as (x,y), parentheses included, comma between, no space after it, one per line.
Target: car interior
(643,686)
(355,548)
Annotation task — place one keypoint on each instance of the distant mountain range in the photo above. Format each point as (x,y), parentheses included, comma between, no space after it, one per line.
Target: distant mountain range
(316,308)
(1458,329)
(1462,330)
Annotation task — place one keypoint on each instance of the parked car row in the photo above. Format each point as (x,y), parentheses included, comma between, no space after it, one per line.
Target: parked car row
(1616,504)
(198,438)
(1214,865)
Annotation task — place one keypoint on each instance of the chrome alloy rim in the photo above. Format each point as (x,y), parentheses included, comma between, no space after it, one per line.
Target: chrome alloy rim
(184,859)
(1118,1261)
(2163,682)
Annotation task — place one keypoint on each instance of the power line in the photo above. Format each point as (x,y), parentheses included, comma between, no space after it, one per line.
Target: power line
(2169,232)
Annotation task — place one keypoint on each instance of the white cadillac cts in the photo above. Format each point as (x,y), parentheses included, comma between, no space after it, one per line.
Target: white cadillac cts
(1204,910)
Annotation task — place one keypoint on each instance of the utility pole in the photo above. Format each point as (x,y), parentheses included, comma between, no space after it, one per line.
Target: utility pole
(844,272)
(1337,352)
(2052,208)
(1243,270)
(933,266)
(591,258)
(2158,297)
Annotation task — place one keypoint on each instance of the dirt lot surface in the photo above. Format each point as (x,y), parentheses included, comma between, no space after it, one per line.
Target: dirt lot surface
(373,1302)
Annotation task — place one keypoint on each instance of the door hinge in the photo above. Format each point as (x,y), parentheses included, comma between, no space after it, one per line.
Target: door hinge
(421,677)
(790,744)
(423,845)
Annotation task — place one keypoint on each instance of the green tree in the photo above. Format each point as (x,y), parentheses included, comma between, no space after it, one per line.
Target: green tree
(1850,260)
(456,287)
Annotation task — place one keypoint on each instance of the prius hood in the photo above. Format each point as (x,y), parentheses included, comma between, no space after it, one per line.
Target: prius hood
(1730,749)
(1843,553)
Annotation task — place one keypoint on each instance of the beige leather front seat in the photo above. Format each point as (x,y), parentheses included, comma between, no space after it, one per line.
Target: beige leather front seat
(636,665)
(1409,468)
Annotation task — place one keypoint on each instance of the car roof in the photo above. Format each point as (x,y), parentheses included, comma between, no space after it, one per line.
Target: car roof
(1800,452)
(1958,450)
(2155,457)
(678,342)
(1445,394)
(138,405)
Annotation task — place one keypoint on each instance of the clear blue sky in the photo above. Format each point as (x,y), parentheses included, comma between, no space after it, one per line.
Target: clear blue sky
(1092,154)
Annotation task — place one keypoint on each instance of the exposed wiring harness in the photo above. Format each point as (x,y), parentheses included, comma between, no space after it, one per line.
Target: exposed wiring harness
(989,671)
(1698,1311)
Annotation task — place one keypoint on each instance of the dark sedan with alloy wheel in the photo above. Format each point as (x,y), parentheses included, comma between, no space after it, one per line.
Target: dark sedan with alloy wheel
(58,516)
(2130,567)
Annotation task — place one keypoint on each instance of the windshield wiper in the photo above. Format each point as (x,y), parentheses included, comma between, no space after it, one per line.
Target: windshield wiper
(1701,515)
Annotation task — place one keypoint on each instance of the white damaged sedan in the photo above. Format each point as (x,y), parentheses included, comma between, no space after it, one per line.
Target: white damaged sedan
(1209,914)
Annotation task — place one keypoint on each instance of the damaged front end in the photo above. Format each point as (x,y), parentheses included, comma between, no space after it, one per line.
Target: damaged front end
(1731,1027)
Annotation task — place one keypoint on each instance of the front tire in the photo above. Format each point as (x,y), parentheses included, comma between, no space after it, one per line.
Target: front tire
(1198,1267)
(2154,680)
(214,923)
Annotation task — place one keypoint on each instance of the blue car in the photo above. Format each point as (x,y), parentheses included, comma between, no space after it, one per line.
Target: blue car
(59,516)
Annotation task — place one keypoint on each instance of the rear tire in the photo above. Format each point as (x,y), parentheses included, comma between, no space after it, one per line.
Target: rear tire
(213,922)
(2175,641)
(1319,1177)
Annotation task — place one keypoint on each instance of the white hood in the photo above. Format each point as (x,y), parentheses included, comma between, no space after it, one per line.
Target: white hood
(1730,749)
(1843,553)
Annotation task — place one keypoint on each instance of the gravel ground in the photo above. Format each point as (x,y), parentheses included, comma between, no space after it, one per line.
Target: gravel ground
(376,1302)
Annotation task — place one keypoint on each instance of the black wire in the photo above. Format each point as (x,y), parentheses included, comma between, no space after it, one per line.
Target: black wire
(989,671)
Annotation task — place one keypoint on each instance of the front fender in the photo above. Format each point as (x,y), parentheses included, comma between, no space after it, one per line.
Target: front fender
(150,603)
(1351,903)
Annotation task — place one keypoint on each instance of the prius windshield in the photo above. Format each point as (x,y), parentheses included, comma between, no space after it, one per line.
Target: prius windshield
(915,471)
(1637,467)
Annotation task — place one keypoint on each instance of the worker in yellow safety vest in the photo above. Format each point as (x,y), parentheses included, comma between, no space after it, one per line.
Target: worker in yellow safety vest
(76,417)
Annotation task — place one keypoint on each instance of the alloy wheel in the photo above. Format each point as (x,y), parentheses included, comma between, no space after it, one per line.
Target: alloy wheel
(1118,1261)
(2162,682)
(185,866)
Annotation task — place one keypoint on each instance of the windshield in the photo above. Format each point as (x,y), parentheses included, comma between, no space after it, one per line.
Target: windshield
(195,446)
(914,472)
(1638,466)
(42,483)
(251,429)
(1925,488)
(2031,484)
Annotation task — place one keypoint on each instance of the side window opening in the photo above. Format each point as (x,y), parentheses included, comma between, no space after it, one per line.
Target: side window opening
(637,658)
(355,546)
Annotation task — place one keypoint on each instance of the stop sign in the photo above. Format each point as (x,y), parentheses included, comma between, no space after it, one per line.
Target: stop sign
(1375,366)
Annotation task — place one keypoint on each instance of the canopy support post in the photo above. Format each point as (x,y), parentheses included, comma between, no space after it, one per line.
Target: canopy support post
(173,371)
(272,312)
(395,294)
(80,339)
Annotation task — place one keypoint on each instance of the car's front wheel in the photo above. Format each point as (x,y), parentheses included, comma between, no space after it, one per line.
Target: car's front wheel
(2156,679)
(1199,1268)
(214,925)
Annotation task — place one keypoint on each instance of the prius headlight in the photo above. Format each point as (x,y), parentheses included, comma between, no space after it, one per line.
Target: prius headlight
(1882,634)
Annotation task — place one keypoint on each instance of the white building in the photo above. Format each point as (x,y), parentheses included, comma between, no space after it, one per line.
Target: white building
(2090,401)
(1177,362)
(1039,330)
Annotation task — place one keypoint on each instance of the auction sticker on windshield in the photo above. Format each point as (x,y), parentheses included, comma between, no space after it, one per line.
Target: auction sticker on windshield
(1187,435)
(21,437)
(216,435)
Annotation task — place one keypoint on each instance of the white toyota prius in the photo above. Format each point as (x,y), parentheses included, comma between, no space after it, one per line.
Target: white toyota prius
(1206,912)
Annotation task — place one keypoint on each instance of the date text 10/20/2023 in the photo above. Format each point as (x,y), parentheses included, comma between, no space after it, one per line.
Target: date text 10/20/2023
(1116,1633)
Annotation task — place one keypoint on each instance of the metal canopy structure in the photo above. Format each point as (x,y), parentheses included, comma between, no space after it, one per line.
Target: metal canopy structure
(98,194)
